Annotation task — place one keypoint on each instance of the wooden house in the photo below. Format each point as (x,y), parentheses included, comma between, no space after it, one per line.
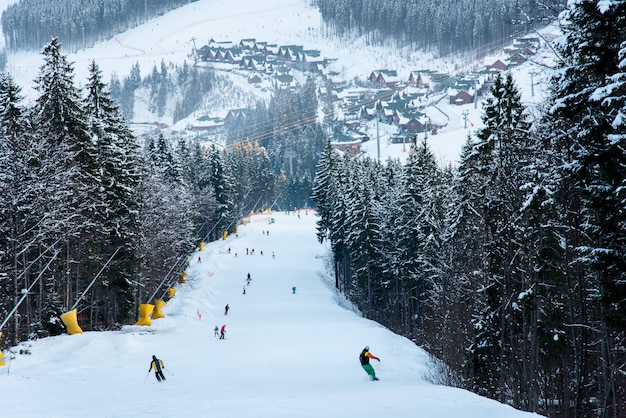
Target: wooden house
(419,79)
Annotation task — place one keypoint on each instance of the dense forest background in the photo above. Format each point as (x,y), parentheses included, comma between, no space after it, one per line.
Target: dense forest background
(29,24)
(509,268)
(445,26)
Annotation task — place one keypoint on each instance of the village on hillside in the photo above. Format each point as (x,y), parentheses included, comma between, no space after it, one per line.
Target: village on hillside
(407,102)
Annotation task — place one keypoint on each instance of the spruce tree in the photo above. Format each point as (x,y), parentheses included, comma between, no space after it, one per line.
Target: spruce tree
(590,136)
(117,215)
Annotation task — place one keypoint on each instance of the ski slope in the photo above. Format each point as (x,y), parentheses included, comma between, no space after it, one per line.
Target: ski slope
(284,355)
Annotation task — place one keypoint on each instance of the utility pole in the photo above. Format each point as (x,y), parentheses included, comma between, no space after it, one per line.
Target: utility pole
(195,50)
(465,113)
(532,85)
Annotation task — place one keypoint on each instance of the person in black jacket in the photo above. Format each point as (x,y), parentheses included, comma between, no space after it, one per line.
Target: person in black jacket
(157,366)
(365,357)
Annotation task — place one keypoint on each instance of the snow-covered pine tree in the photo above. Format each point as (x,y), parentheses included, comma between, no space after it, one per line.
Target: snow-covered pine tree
(73,179)
(324,190)
(117,216)
(590,136)
(363,237)
(496,159)
(167,227)
(223,184)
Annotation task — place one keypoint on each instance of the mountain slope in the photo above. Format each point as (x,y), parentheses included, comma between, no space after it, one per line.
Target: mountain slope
(284,355)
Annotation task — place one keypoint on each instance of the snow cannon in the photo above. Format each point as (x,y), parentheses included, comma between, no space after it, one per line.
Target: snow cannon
(145,309)
(70,321)
(157,313)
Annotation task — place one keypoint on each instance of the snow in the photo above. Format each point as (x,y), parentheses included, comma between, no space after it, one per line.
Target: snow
(171,37)
(284,355)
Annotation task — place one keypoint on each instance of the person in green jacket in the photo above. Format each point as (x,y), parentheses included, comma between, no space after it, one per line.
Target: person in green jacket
(157,366)
(365,357)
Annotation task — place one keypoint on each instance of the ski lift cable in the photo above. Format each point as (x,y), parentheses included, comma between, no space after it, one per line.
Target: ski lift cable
(28,290)
(94,279)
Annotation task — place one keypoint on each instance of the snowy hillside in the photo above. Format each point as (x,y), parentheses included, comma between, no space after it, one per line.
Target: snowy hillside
(284,354)
(172,37)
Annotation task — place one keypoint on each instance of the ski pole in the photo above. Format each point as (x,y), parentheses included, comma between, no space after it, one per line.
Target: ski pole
(144,379)
(167,370)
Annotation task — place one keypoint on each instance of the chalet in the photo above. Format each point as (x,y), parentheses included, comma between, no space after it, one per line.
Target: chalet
(497,66)
(461,97)
(204,53)
(233,55)
(218,54)
(517,58)
(384,78)
(311,60)
(367,113)
(291,53)
(271,49)
(410,119)
(253,62)
(259,47)
(207,124)
(248,43)
(349,147)
(236,117)
(419,79)
(254,79)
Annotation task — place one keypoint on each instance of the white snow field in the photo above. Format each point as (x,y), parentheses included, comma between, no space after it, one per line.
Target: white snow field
(284,355)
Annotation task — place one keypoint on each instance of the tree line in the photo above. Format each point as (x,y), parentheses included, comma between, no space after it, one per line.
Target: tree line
(510,267)
(28,24)
(442,26)
(79,192)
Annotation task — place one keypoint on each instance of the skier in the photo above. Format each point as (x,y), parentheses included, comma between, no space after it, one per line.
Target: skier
(157,366)
(244,290)
(222,332)
(226,308)
(293,289)
(365,357)
(216,330)
(249,279)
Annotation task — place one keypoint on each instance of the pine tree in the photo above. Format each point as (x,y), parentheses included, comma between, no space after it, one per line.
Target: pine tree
(72,164)
(117,215)
(497,158)
(592,146)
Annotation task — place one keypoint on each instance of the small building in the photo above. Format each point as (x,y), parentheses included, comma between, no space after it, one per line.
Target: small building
(461,97)
(350,147)
(419,79)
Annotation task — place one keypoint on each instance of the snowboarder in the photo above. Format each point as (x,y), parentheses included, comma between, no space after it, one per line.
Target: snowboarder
(216,330)
(244,290)
(365,357)
(222,332)
(293,289)
(157,366)
(226,308)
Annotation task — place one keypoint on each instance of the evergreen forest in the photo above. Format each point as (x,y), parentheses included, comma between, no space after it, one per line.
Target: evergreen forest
(444,27)
(28,24)
(510,268)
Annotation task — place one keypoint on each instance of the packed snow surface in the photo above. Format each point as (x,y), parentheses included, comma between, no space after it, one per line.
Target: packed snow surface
(285,354)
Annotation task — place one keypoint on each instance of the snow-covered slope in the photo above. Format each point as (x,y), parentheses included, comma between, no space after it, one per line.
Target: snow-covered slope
(284,355)
(171,38)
